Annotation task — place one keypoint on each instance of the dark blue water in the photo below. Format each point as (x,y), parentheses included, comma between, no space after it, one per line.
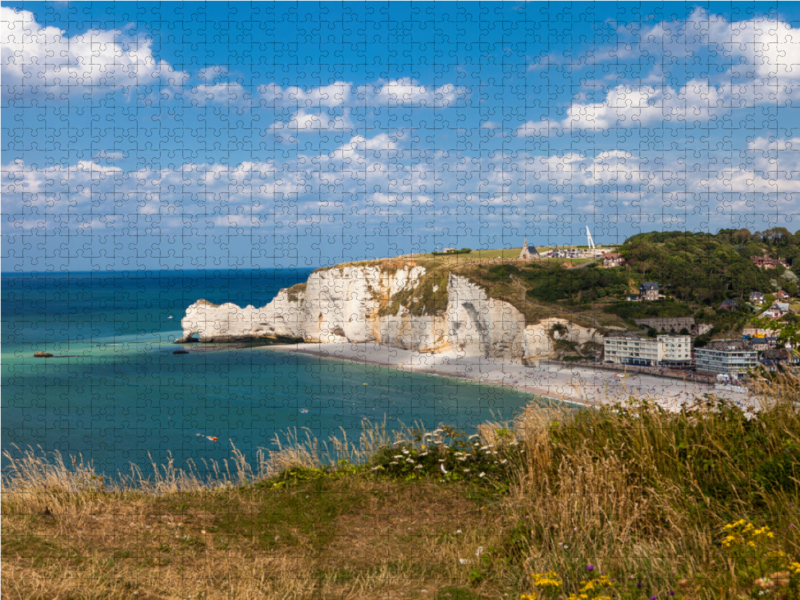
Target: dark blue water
(119,392)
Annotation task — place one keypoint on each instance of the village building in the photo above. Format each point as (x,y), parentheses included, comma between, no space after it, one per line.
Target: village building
(776,359)
(729,305)
(732,358)
(781,295)
(673,351)
(528,252)
(677,352)
(674,325)
(649,291)
(776,311)
(630,349)
(612,259)
(757,298)
(759,344)
(767,263)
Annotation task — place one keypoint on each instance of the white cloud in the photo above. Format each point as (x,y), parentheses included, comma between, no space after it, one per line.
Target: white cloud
(210,73)
(405,92)
(334,94)
(43,60)
(304,121)
(639,106)
(221,93)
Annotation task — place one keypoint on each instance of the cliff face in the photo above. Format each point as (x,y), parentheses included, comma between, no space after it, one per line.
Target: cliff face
(350,304)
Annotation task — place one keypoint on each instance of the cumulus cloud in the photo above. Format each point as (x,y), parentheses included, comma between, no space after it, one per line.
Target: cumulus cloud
(406,92)
(44,61)
(370,178)
(304,121)
(639,105)
(334,94)
(220,93)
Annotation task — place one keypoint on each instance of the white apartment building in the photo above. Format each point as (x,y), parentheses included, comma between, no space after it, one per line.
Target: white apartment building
(634,350)
(677,350)
(731,358)
(628,349)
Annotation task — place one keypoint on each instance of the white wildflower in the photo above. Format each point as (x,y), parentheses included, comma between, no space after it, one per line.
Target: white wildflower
(463,561)
(482,474)
(478,552)
(443,471)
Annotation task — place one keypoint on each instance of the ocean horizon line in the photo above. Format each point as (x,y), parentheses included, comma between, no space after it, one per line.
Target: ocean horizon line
(86,272)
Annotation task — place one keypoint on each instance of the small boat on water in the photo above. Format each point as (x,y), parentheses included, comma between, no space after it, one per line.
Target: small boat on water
(212,438)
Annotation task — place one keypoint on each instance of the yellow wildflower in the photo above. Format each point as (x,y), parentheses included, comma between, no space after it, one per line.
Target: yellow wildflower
(546,580)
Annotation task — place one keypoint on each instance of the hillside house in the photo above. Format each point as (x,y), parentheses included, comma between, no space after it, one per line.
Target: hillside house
(632,297)
(777,310)
(759,344)
(757,298)
(776,359)
(729,304)
(767,263)
(649,291)
(612,259)
(781,295)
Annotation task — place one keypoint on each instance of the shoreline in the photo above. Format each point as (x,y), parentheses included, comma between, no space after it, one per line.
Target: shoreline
(580,385)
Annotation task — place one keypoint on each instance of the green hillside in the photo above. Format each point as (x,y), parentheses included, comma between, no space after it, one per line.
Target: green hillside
(695,271)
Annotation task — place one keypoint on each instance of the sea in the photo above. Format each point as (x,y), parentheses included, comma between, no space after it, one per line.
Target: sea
(115,394)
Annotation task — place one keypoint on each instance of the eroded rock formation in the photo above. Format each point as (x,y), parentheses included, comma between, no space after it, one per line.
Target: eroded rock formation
(355,304)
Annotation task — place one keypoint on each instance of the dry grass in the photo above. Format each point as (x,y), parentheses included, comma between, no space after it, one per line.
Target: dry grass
(637,492)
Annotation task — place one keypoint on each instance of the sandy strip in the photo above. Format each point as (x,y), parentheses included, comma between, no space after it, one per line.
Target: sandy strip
(575,384)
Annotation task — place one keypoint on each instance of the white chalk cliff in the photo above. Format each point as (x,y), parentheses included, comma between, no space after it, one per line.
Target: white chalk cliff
(349,304)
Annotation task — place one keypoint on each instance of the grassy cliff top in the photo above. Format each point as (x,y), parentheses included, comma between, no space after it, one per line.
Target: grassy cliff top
(504,280)
(702,504)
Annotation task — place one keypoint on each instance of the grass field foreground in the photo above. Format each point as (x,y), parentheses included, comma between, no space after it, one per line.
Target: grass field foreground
(627,502)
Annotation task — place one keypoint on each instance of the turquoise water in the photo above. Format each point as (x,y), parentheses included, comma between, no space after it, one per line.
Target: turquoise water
(117,392)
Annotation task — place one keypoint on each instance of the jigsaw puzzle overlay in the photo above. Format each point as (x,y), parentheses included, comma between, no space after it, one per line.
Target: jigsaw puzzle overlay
(232,227)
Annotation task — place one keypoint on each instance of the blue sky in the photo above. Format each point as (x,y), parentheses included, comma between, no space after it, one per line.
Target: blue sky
(167,136)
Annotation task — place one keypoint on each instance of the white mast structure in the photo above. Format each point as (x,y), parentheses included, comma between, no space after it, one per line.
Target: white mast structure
(589,240)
